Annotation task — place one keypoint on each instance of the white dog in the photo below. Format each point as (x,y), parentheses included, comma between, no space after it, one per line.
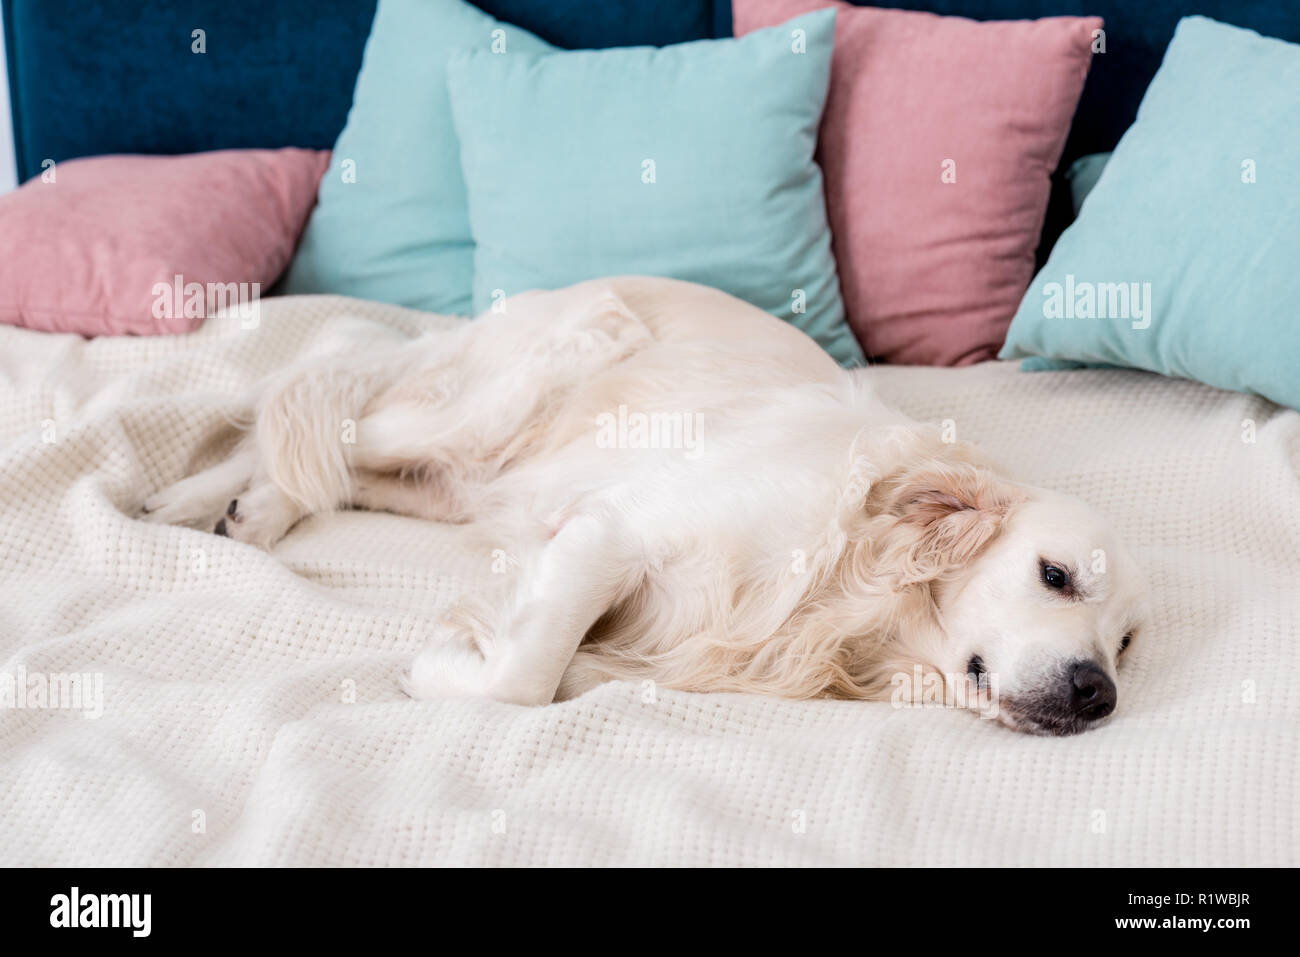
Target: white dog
(699,496)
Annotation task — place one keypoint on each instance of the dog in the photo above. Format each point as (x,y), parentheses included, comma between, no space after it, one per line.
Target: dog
(698,496)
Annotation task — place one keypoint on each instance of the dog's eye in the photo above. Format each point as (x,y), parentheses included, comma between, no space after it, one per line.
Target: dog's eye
(1055,577)
(975,667)
(1124,643)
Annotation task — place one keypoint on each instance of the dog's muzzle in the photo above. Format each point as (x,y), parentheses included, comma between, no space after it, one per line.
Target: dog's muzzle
(1081,695)
(1092,694)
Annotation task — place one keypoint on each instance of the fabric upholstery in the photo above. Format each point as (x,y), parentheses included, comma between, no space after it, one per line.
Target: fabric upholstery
(110,245)
(939,142)
(118,76)
(694,161)
(1183,259)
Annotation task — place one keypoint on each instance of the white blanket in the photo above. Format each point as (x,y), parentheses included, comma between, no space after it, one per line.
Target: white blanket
(250,711)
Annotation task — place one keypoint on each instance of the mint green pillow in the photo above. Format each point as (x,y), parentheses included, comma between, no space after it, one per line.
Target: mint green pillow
(692,161)
(390,223)
(1185,259)
(1083,175)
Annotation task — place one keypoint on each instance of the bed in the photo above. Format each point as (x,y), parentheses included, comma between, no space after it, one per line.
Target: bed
(252,713)
(243,708)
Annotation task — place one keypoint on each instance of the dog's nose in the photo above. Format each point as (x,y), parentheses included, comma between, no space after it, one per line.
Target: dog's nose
(1092,693)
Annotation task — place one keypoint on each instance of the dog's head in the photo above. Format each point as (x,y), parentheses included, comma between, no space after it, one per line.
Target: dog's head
(1033,598)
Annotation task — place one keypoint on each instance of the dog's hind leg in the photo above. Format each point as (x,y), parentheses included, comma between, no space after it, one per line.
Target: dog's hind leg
(306,426)
(390,492)
(303,434)
(590,565)
(437,409)
(199,499)
(260,516)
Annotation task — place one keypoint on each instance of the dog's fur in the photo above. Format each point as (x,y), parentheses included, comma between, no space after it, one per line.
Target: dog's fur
(812,542)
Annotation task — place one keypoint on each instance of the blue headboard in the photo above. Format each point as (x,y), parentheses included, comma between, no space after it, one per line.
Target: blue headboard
(119,75)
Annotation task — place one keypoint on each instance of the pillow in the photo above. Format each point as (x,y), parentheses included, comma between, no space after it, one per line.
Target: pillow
(693,161)
(113,245)
(391,223)
(1183,260)
(940,139)
(1082,177)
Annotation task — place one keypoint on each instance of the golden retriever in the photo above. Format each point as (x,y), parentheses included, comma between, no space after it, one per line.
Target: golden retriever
(692,493)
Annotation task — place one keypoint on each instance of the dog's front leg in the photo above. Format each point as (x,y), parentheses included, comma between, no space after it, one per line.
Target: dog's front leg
(588,567)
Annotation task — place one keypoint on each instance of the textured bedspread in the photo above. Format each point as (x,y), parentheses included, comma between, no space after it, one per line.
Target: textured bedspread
(250,712)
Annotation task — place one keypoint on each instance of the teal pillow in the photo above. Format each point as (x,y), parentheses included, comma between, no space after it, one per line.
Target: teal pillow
(1083,175)
(390,223)
(692,161)
(1185,260)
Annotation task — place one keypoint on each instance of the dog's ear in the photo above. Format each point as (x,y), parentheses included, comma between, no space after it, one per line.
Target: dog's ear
(957,508)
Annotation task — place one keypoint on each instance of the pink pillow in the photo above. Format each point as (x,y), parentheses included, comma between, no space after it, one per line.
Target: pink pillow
(93,250)
(933,271)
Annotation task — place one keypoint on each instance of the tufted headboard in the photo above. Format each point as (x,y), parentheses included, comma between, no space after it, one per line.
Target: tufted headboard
(121,75)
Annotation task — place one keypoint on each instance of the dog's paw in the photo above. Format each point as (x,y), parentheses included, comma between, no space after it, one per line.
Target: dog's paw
(452,666)
(260,517)
(187,502)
